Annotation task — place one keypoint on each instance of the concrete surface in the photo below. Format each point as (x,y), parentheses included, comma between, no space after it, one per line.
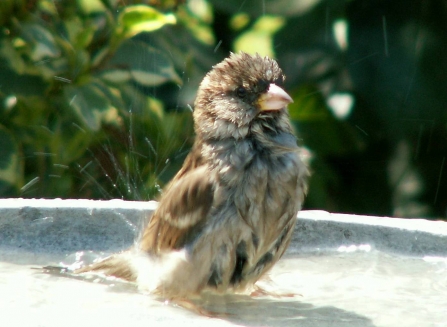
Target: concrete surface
(64,226)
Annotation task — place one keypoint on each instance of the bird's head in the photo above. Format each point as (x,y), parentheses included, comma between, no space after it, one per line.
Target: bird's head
(236,92)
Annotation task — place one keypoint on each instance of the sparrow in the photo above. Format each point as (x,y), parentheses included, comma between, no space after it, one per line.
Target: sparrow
(229,213)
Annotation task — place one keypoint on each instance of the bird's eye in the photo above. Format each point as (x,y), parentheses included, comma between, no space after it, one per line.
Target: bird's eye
(263,85)
(241,92)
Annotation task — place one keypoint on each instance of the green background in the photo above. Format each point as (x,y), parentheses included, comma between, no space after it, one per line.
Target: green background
(96,95)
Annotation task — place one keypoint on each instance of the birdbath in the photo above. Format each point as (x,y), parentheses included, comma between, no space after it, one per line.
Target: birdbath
(344,270)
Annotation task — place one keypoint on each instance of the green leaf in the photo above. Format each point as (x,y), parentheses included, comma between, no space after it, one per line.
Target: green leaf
(90,104)
(99,56)
(197,18)
(141,18)
(142,63)
(259,39)
(117,76)
(114,96)
(80,34)
(10,165)
(42,42)
(91,6)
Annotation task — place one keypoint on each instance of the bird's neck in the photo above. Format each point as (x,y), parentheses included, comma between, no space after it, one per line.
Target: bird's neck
(236,153)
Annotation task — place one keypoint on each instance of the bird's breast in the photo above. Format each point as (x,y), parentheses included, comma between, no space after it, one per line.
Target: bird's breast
(264,188)
(254,209)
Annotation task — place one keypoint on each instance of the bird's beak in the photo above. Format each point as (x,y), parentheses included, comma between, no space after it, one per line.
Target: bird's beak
(275,99)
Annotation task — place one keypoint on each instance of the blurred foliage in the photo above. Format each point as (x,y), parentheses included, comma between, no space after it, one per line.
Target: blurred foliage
(96,95)
(75,119)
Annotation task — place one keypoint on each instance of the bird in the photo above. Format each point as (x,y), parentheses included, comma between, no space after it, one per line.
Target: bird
(228,215)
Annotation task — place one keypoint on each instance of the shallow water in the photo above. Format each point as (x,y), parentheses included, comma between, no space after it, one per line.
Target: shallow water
(349,287)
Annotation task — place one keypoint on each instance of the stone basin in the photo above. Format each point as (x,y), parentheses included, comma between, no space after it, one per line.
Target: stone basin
(346,270)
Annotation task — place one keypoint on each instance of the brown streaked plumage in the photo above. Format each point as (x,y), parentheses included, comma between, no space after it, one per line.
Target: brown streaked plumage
(229,213)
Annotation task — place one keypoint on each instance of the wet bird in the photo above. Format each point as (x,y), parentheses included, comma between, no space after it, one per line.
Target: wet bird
(228,215)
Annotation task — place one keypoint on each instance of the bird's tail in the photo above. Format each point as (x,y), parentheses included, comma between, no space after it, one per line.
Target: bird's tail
(152,273)
(118,265)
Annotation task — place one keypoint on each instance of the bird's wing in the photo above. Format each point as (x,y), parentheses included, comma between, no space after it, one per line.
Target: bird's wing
(182,210)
